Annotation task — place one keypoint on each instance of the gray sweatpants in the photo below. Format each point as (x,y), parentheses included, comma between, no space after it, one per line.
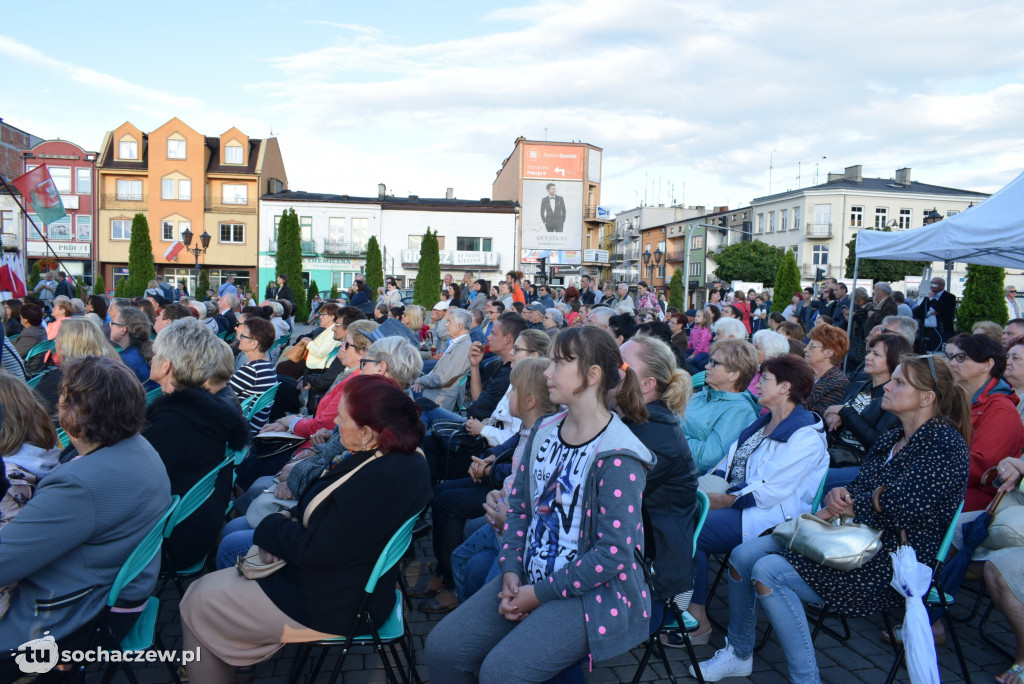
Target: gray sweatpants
(475,638)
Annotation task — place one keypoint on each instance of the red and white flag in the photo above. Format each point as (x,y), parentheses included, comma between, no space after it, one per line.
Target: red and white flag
(12,275)
(172,252)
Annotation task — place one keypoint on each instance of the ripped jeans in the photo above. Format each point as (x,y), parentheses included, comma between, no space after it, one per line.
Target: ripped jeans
(783,606)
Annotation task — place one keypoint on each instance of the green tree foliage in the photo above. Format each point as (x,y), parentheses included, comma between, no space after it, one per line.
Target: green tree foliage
(374,266)
(752,261)
(984,298)
(121,291)
(310,293)
(289,259)
(675,291)
(140,258)
(427,288)
(204,285)
(334,291)
(880,270)
(34,275)
(787,282)
(99,287)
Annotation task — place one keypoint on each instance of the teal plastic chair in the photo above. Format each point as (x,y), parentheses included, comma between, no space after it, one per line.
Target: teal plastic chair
(247,404)
(41,348)
(143,634)
(152,395)
(262,401)
(34,382)
(14,338)
(816,504)
(698,380)
(223,335)
(281,342)
(193,499)
(236,456)
(393,631)
(63,438)
(675,620)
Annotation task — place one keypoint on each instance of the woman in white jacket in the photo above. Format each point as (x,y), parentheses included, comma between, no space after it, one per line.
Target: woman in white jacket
(772,472)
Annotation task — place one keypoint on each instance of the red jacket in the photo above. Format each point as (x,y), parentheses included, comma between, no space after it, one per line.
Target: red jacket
(998,434)
(327,411)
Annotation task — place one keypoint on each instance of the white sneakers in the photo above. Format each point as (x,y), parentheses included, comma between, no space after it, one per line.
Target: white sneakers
(725,664)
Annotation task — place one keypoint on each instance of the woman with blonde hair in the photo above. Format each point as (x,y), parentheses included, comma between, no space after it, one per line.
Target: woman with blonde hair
(62,310)
(77,338)
(413,319)
(28,453)
(670,497)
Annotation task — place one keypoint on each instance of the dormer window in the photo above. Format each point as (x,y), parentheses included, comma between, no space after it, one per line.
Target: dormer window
(127,149)
(233,154)
(175,149)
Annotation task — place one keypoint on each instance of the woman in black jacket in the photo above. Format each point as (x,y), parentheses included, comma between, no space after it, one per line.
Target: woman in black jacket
(328,558)
(191,430)
(857,423)
(670,495)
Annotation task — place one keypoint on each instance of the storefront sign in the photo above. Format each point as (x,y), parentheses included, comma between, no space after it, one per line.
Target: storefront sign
(599,256)
(450,257)
(317,263)
(76,250)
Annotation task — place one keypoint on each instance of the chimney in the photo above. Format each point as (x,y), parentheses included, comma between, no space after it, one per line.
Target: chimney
(903,177)
(835,176)
(449,193)
(853,173)
(381,190)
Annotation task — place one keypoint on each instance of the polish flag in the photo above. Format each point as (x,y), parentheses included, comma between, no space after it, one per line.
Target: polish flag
(172,252)
(12,276)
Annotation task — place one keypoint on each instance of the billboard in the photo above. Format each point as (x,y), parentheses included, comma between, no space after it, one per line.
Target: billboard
(552,214)
(554,162)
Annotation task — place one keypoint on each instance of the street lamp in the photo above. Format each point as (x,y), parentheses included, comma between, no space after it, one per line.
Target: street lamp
(658,257)
(647,261)
(931,217)
(204,239)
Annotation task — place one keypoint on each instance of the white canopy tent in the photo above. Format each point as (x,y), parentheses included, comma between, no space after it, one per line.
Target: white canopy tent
(990,233)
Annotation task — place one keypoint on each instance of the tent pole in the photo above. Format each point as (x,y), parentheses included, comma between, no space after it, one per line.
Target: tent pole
(853,308)
(949,274)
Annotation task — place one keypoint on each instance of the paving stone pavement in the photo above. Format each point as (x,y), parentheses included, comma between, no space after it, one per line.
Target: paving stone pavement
(863,658)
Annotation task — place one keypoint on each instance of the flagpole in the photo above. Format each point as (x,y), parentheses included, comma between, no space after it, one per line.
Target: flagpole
(25,211)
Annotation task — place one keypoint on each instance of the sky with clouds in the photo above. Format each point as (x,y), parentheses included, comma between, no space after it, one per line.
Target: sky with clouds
(691,101)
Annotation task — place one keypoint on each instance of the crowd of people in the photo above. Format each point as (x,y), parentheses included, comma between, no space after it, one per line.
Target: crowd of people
(552,442)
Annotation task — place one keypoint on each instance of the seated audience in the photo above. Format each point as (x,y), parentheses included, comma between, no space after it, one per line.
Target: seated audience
(922,467)
(130,330)
(441,385)
(32,333)
(825,352)
(76,339)
(62,310)
(255,337)
(12,317)
(768,344)
(315,352)
(381,481)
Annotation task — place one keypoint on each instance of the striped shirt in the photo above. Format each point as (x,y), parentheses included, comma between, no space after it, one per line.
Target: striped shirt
(12,362)
(253,379)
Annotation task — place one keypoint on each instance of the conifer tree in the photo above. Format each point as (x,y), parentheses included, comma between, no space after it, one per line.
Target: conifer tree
(99,287)
(675,291)
(427,288)
(374,266)
(140,258)
(289,259)
(787,282)
(984,298)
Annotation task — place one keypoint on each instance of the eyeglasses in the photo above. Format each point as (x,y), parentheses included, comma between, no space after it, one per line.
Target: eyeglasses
(363,362)
(245,337)
(715,363)
(959,358)
(120,325)
(517,349)
(931,365)
(813,346)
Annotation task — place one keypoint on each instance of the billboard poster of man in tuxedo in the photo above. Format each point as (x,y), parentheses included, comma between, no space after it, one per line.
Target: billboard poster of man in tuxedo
(552,210)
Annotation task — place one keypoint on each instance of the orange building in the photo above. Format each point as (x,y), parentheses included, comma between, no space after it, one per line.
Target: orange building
(180,179)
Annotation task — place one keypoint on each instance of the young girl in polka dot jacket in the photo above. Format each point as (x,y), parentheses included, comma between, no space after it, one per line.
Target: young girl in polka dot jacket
(571,584)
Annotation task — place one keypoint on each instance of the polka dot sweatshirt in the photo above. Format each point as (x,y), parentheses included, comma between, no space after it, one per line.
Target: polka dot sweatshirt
(605,574)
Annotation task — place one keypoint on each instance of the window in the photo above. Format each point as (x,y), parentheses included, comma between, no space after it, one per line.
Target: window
(856,217)
(233,154)
(306,228)
(175,149)
(905,217)
(129,190)
(235,194)
(34,227)
(120,229)
(336,229)
(83,228)
(184,189)
(661,271)
(783,219)
(760,223)
(60,230)
(61,176)
(881,216)
(361,232)
(822,220)
(167,189)
(796,218)
(7,221)
(415,242)
(771,221)
(697,242)
(127,149)
(695,269)
(952,212)
(232,232)
(168,231)
(83,181)
(472,244)
(168,186)
(183,226)
(120,273)
(820,255)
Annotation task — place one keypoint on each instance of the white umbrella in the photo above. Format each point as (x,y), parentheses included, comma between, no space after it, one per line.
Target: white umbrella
(913,580)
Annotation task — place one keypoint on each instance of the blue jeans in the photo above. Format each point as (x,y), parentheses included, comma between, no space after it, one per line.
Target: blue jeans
(439,413)
(235,540)
(840,477)
(722,532)
(475,562)
(753,562)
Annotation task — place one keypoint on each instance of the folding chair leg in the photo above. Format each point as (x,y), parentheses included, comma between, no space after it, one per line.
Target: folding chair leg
(642,667)
(952,632)
(299,663)
(989,640)
(664,657)
(711,593)
(693,659)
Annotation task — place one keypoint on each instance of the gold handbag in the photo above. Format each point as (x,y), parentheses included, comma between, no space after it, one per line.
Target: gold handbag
(834,544)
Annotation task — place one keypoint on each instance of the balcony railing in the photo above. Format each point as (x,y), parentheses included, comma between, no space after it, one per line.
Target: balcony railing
(123,201)
(231,204)
(308,247)
(810,270)
(337,247)
(8,241)
(675,256)
(819,230)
